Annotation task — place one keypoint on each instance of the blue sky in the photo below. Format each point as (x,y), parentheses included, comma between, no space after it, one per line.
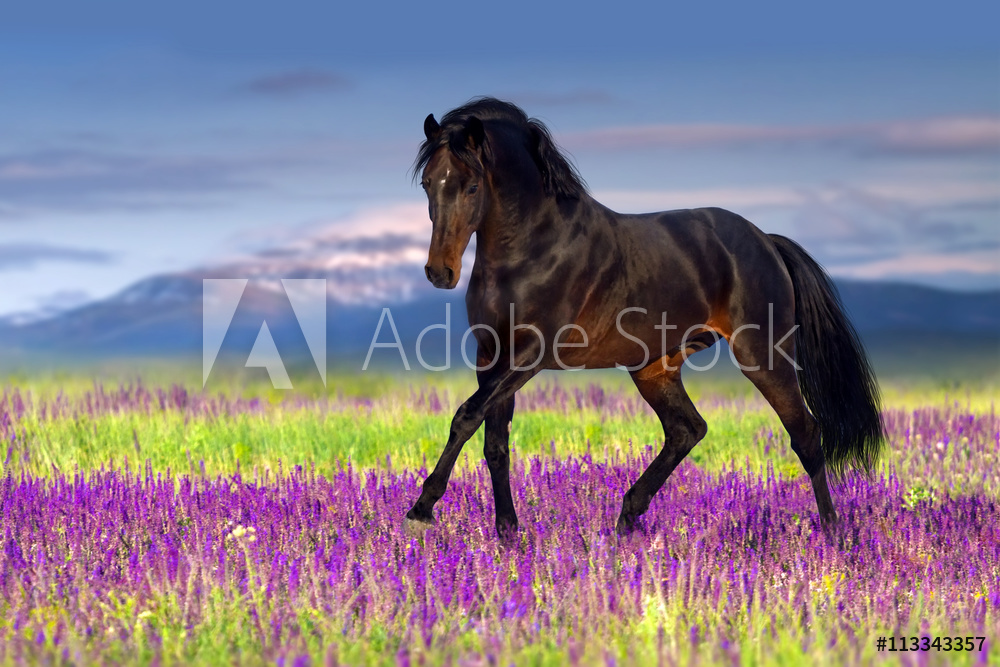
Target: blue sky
(139,142)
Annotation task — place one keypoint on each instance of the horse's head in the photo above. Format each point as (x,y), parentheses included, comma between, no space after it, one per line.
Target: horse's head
(454,180)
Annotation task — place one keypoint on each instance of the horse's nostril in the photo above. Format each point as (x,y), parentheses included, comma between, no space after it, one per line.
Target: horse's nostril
(441,276)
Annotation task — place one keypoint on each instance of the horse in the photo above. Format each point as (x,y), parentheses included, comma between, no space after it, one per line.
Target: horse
(562,282)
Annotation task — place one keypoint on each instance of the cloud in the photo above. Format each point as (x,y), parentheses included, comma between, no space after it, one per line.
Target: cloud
(80,180)
(297,82)
(382,236)
(940,135)
(91,179)
(877,230)
(952,194)
(29,255)
(388,243)
(373,255)
(977,262)
(956,135)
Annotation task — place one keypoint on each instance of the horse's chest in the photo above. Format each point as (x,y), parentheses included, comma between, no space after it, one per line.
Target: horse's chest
(487,304)
(498,304)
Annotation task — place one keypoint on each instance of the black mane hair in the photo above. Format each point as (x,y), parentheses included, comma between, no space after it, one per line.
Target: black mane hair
(559,176)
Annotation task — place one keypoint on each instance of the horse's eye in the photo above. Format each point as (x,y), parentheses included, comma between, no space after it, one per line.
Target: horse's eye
(423,184)
(472,189)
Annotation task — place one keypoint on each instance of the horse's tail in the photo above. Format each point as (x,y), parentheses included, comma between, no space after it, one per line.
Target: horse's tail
(836,377)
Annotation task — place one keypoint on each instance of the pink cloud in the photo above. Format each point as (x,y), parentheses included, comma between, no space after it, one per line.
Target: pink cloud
(957,134)
(980,262)
(945,135)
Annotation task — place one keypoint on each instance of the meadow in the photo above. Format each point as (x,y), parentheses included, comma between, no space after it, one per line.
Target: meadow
(144,522)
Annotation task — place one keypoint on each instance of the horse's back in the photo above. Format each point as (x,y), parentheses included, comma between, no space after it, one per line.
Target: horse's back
(728,228)
(709,237)
(712,251)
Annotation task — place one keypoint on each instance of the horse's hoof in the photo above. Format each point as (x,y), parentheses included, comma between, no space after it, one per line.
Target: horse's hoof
(415,525)
(413,528)
(625,526)
(423,516)
(507,532)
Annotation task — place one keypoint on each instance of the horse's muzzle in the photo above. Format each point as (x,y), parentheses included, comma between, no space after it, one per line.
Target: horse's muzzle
(442,277)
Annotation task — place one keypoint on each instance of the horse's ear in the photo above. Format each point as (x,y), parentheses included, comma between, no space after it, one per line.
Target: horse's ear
(476,132)
(431,127)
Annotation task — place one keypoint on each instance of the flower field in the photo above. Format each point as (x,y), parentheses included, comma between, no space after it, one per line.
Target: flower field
(158,525)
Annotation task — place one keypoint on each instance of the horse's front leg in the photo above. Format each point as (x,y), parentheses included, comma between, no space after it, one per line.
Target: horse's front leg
(496,387)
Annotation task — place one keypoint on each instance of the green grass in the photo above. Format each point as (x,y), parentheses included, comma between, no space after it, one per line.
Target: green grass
(743,431)
(364,436)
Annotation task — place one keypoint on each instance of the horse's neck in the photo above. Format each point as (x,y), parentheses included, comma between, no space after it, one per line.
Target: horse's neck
(507,231)
(515,232)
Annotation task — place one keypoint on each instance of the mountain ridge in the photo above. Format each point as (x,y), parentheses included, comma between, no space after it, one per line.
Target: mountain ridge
(162,316)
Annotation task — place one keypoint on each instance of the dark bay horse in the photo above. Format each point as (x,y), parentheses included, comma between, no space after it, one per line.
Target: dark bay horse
(560,281)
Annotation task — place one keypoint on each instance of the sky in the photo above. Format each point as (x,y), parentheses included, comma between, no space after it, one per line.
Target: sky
(137,141)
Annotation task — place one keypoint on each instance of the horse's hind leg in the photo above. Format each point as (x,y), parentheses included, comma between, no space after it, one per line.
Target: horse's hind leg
(780,387)
(683,428)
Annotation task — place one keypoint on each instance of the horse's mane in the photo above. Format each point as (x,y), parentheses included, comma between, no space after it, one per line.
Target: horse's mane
(559,177)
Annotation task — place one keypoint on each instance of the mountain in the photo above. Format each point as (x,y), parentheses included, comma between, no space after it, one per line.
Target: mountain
(161,316)
(895,307)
